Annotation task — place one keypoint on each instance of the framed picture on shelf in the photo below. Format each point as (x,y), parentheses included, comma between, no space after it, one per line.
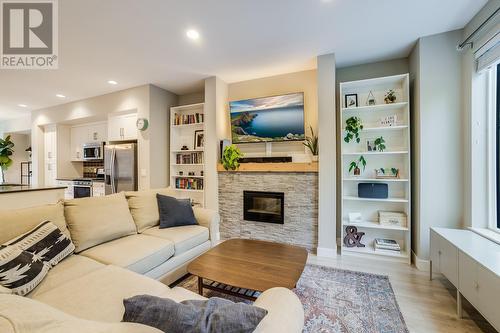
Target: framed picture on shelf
(370,145)
(351,100)
(199,139)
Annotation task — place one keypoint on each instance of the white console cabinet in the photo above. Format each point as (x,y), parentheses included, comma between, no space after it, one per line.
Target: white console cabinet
(472,264)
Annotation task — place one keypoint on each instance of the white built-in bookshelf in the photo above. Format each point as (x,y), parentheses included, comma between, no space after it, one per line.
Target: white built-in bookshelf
(396,155)
(185,122)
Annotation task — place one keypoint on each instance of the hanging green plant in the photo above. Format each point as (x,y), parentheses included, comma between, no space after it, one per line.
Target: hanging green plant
(354,165)
(231,157)
(380,144)
(353,128)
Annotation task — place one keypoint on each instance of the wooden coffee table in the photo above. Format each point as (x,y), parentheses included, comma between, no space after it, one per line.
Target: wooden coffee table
(241,267)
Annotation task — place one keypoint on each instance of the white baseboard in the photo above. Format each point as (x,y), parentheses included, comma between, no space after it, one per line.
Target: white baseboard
(421,264)
(326,252)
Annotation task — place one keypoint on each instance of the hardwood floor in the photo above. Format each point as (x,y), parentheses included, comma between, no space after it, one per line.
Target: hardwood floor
(427,306)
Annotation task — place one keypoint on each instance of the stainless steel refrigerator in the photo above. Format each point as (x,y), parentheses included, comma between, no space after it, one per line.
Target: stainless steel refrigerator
(120,167)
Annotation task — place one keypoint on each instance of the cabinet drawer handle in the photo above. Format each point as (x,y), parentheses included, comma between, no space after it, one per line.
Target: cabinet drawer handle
(476,285)
(439,252)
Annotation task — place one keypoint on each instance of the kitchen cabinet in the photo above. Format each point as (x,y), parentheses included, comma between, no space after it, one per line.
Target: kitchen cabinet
(68,191)
(82,134)
(122,127)
(98,189)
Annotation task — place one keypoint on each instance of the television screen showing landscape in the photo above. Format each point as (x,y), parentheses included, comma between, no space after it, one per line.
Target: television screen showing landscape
(267,119)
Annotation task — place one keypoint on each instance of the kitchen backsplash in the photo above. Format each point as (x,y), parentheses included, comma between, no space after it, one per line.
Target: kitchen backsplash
(90,168)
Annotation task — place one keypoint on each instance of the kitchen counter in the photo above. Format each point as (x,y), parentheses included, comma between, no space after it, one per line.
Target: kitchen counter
(15,196)
(13,188)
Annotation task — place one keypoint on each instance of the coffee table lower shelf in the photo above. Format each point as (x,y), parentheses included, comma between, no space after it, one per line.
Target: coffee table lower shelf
(225,289)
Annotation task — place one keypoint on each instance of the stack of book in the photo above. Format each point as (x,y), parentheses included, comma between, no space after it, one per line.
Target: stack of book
(185,119)
(387,245)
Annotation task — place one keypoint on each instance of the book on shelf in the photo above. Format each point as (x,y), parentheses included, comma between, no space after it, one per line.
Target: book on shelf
(189,183)
(186,119)
(189,158)
(387,244)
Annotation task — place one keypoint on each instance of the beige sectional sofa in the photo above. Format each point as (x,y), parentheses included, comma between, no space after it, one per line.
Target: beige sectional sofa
(120,252)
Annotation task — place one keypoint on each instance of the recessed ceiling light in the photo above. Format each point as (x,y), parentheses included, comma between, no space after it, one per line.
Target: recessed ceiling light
(22,105)
(193,34)
(113,82)
(60,96)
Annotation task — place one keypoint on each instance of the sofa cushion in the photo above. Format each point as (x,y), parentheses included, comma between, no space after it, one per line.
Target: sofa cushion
(18,221)
(20,271)
(175,212)
(99,295)
(20,314)
(67,270)
(144,207)
(138,253)
(184,238)
(92,221)
(47,241)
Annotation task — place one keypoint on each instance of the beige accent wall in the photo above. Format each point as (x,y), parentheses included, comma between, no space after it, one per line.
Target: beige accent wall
(304,81)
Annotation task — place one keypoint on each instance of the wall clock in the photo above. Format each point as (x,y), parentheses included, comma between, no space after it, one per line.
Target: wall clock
(142,124)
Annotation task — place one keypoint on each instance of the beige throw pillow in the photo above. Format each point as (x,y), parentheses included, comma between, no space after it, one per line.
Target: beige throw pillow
(144,207)
(92,221)
(19,221)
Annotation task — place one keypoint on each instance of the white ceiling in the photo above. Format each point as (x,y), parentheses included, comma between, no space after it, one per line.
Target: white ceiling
(143,41)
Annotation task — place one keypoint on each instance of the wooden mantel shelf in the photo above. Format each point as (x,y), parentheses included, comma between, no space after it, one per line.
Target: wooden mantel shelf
(274,167)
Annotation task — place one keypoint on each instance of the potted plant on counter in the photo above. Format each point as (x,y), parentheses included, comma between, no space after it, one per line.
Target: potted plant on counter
(231,157)
(6,152)
(355,165)
(311,142)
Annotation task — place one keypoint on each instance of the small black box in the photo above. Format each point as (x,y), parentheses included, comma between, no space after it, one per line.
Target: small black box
(373,190)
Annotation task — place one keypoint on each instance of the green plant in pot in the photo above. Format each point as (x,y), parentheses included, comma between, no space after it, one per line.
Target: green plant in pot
(231,157)
(355,165)
(6,152)
(352,129)
(380,144)
(311,142)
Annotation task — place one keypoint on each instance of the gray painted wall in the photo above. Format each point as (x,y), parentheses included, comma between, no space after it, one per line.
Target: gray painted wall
(327,239)
(438,136)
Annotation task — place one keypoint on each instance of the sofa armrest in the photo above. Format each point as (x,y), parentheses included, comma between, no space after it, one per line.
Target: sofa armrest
(210,219)
(285,311)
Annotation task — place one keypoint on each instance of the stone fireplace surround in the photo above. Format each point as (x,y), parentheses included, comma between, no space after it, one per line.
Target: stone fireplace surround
(300,209)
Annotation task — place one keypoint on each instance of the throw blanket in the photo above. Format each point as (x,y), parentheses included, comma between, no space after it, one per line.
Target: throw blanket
(194,316)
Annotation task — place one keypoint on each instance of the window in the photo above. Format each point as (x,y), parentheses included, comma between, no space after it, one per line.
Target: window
(497,93)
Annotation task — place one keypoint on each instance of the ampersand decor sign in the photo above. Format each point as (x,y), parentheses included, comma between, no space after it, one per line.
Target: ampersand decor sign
(353,237)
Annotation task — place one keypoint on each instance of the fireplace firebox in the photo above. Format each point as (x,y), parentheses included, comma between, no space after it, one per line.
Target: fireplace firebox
(264,206)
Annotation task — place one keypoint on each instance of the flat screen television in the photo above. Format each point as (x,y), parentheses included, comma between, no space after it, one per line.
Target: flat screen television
(268,119)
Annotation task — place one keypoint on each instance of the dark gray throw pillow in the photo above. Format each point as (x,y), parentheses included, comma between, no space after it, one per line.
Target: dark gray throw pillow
(215,315)
(175,212)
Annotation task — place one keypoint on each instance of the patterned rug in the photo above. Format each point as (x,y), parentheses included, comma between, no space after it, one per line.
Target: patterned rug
(340,301)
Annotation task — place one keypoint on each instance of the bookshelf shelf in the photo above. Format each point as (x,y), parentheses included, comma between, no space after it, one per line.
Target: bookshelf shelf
(397,154)
(185,122)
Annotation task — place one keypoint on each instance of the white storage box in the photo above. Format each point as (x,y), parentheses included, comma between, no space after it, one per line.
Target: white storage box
(392,218)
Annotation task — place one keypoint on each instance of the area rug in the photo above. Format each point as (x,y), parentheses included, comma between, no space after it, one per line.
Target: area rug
(339,301)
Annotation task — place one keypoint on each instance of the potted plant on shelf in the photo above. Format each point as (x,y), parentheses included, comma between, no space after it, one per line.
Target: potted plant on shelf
(6,152)
(311,142)
(355,165)
(353,128)
(390,97)
(231,157)
(380,144)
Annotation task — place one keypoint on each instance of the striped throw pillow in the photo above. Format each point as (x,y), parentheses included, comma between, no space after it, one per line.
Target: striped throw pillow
(46,242)
(20,271)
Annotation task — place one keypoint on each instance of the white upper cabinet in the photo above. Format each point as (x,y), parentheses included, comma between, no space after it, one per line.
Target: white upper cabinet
(122,127)
(81,134)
